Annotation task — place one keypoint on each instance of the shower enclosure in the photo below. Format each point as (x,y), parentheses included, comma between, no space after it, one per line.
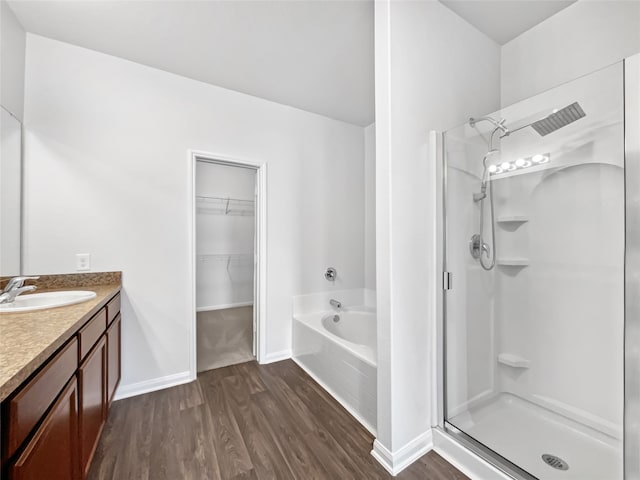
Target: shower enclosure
(536,213)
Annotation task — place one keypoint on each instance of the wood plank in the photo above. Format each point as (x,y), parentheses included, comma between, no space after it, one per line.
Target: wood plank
(197,448)
(261,444)
(299,457)
(249,371)
(164,459)
(230,448)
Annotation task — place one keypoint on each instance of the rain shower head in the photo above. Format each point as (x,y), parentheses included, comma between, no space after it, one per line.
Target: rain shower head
(559,119)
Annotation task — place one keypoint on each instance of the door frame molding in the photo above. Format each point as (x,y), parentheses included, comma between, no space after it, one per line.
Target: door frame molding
(260,274)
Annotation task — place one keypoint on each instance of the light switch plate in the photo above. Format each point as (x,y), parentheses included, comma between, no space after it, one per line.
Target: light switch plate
(83,262)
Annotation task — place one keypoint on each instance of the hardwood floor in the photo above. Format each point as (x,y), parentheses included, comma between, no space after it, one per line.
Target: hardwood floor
(244,421)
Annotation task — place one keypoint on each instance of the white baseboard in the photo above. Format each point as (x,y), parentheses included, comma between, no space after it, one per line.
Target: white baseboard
(395,462)
(464,459)
(146,386)
(275,357)
(224,307)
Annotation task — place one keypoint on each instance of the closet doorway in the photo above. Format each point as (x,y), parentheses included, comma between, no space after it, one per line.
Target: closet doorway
(226,250)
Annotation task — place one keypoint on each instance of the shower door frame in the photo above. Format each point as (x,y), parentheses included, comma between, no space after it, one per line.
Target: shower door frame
(631,422)
(501,463)
(631,434)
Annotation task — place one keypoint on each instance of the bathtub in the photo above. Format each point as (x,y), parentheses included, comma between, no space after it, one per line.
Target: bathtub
(339,351)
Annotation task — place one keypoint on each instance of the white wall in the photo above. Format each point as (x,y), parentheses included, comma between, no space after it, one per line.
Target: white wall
(107,172)
(425,56)
(370,207)
(580,39)
(12,53)
(224,238)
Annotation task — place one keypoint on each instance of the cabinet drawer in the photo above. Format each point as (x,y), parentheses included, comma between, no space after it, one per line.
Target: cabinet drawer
(91,332)
(52,453)
(113,309)
(27,408)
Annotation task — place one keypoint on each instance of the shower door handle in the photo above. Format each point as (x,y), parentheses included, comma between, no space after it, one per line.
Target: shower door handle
(447,280)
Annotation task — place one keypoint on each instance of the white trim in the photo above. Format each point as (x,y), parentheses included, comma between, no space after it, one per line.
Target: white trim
(464,459)
(261,248)
(395,462)
(437,327)
(275,357)
(331,392)
(146,386)
(211,308)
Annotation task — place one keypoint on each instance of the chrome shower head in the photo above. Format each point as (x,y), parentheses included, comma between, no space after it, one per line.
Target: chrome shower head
(559,119)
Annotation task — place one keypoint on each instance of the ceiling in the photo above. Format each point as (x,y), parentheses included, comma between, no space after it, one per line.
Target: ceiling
(504,20)
(316,55)
(312,55)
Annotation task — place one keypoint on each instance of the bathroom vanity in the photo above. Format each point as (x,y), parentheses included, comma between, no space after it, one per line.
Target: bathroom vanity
(59,370)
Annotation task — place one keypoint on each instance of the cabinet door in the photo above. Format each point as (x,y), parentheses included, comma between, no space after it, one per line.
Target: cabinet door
(52,452)
(93,397)
(113,357)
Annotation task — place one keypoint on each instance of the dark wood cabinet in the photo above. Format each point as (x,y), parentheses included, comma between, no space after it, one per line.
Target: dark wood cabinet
(113,358)
(52,453)
(25,409)
(92,386)
(51,424)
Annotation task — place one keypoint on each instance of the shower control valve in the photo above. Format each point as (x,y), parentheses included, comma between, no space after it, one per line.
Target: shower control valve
(330,274)
(477,247)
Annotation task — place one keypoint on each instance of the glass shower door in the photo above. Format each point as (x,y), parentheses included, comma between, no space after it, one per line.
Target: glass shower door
(534,326)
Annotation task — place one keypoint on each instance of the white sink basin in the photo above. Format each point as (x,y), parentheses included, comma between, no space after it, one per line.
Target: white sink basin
(40,301)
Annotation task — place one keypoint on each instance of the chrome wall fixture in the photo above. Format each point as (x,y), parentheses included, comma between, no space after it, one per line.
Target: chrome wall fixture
(330,274)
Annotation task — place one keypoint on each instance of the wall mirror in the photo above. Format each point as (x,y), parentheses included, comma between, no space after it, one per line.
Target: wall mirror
(10,194)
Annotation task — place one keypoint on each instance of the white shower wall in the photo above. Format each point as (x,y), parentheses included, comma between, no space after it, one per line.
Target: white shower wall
(564,311)
(224,243)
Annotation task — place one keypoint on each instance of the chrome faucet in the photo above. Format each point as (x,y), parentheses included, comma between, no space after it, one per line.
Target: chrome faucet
(15,287)
(336,304)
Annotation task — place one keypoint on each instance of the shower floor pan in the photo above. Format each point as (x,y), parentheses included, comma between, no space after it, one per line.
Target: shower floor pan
(523,432)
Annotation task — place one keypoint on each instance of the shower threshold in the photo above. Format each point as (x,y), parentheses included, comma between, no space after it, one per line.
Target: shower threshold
(533,437)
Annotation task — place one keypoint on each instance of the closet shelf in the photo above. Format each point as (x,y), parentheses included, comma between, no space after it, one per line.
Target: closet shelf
(227,258)
(225,206)
(513,262)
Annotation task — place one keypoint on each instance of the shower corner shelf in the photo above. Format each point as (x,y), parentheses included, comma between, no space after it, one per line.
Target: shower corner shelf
(514,361)
(513,219)
(513,262)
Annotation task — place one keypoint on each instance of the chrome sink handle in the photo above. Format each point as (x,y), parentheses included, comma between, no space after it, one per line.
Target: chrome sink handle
(10,296)
(17,282)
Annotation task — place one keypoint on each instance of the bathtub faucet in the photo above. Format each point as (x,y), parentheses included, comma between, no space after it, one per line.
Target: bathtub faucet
(335,303)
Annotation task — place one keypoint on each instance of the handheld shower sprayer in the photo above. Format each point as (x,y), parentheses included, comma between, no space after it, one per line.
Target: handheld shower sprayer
(557,119)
